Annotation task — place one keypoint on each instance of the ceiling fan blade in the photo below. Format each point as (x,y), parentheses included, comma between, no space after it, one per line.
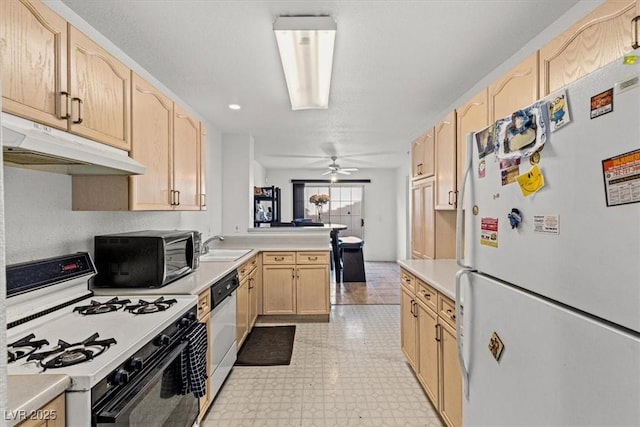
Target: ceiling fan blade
(343,172)
(327,173)
(350,169)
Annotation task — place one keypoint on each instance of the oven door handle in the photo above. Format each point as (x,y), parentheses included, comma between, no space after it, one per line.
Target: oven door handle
(111,412)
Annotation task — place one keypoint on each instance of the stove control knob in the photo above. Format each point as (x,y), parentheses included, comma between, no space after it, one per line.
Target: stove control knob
(162,340)
(184,322)
(134,364)
(120,377)
(191,315)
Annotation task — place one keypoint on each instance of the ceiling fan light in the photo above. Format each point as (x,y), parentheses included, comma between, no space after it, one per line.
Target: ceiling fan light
(306,45)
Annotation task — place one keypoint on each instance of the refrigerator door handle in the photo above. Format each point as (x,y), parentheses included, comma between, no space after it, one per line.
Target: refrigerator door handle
(463,364)
(460,201)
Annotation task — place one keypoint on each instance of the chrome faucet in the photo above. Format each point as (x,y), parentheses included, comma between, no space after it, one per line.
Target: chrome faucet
(205,244)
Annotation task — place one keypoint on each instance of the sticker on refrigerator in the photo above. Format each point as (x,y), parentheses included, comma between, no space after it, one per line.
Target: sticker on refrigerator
(485,141)
(524,132)
(496,346)
(509,170)
(548,224)
(602,103)
(489,232)
(482,168)
(531,181)
(558,110)
(622,178)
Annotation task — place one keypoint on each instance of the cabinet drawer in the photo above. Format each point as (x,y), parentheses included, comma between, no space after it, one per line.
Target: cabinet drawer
(447,311)
(408,280)
(204,304)
(427,295)
(279,258)
(247,267)
(312,258)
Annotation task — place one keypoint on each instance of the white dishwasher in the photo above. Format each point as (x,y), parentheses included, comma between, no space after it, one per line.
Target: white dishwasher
(223,330)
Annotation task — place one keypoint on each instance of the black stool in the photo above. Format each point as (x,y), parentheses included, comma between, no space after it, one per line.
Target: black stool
(352,259)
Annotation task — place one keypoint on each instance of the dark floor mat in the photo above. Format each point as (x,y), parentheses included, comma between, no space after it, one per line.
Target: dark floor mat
(267,346)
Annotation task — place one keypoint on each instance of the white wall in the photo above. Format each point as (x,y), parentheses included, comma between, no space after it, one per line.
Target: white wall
(380,212)
(259,175)
(402,212)
(237,173)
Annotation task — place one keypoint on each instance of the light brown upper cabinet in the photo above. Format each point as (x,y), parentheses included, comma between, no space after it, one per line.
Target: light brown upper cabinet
(445,159)
(33,48)
(166,139)
(55,75)
(515,90)
(152,135)
(471,117)
(422,220)
(203,167)
(99,88)
(599,38)
(186,160)
(422,155)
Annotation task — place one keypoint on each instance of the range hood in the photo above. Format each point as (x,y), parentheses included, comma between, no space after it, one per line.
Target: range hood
(31,145)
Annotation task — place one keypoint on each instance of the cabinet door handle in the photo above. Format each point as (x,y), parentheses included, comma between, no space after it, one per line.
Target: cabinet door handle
(203,200)
(411,310)
(67,105)
(250,281)
(178,202)
(438,334)
(451,197)
(427,296)
(279,258)
(451,314)
(171,198)
(315,258)
(80,119)
(634,31)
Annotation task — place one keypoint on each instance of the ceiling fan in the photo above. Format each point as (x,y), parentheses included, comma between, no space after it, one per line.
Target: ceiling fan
(335,168)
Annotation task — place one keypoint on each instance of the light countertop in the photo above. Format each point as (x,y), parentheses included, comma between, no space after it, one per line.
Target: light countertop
(439,273)
(210,272)
(27,393)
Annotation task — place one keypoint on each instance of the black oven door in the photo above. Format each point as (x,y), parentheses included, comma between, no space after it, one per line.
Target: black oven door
(153,400)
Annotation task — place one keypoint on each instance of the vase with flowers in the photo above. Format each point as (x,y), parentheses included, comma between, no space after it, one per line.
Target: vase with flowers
(319,200)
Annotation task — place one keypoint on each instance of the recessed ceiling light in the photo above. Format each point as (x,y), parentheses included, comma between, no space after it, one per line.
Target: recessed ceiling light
(234,106)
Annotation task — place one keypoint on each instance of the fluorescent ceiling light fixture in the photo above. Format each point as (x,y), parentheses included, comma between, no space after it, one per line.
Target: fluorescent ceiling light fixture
(306,51)
(234,107)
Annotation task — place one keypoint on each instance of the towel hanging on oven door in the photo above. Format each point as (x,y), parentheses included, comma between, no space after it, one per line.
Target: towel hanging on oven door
(194,362)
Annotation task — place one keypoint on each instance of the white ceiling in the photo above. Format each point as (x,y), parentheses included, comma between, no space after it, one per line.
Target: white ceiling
(397,65)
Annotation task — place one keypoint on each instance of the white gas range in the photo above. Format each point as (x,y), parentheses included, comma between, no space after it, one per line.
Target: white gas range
(126,356)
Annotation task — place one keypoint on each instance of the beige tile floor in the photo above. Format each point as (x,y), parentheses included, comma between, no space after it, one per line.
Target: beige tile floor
(348,372)
(382,286)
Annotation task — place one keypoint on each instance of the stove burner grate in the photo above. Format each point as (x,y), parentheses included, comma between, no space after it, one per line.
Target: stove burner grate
(24,347)
(147,307)
(95,307)
(66,354)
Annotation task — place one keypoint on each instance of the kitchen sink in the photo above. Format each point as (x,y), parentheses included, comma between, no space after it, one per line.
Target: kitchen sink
(223,255)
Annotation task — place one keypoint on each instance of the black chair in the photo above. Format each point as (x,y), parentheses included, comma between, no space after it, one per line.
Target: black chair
(352,259)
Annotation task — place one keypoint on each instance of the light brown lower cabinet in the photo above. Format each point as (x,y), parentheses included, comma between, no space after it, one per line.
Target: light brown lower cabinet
(295,283)
(242,311)
(53,415)
(428,341)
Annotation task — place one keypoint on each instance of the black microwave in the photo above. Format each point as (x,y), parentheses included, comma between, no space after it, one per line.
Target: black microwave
(145,259)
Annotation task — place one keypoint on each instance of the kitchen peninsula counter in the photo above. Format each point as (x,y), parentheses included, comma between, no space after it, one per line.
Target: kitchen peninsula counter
(28,393)
(439,273)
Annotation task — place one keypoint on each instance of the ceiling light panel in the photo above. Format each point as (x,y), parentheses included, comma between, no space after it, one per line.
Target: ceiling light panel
(306,45)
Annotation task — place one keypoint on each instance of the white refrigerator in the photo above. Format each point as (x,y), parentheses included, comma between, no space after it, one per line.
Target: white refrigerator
(550,332)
